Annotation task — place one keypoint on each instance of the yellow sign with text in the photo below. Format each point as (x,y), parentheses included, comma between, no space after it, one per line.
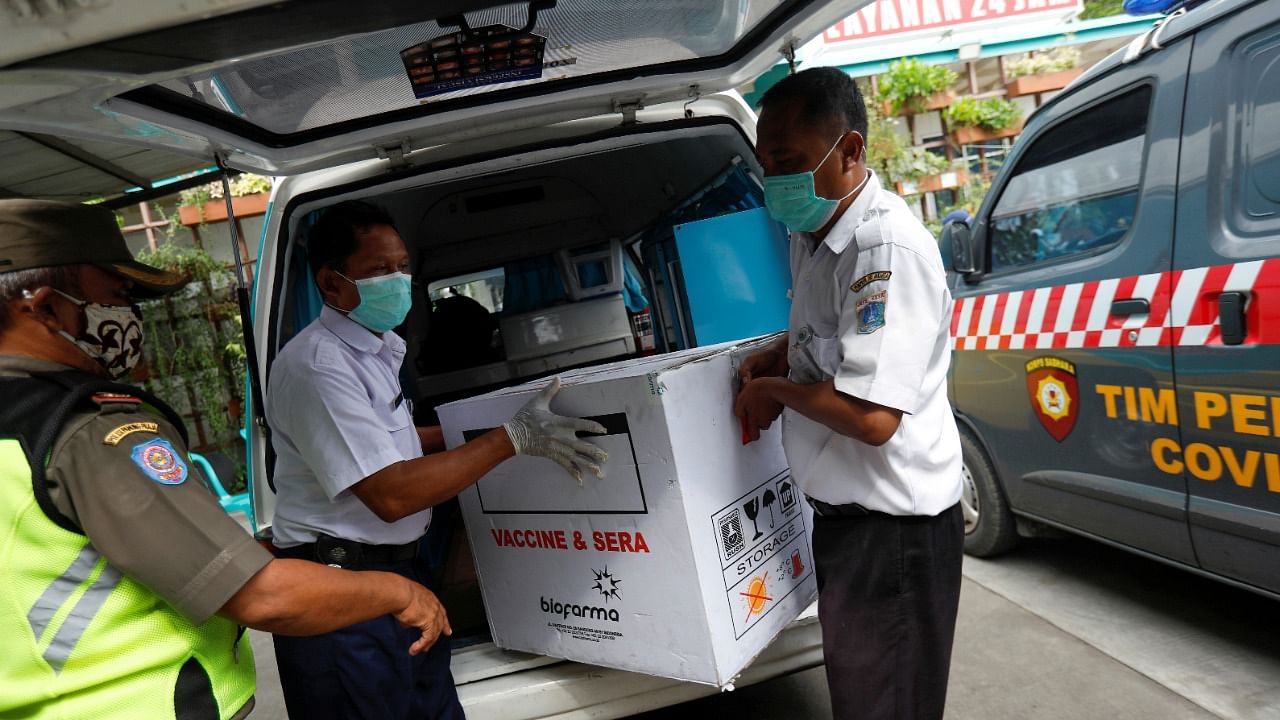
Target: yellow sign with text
(1243,414)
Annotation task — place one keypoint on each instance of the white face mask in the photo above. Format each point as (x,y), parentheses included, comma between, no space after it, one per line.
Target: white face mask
(112,335)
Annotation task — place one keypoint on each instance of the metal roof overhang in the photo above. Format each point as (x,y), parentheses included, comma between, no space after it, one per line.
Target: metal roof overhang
(944,48)
(53,168)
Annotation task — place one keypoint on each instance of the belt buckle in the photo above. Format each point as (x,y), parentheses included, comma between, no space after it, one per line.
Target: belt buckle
(336,552)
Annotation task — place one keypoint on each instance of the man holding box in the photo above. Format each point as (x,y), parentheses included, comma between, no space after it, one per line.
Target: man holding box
(860,380)
(356,480)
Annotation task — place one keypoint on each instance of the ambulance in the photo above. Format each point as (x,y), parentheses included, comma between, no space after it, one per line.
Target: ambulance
(542,159)
(1116,366)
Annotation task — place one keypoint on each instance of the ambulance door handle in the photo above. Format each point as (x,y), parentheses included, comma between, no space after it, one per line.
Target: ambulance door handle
(1131,306)
(1231,318)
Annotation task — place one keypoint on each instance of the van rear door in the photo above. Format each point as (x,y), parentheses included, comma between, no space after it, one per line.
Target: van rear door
(1059,364)
(297,86)
(1227,264)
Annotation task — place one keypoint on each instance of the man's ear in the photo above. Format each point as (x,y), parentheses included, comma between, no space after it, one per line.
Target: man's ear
(327,280)
(853,150)
(38,305)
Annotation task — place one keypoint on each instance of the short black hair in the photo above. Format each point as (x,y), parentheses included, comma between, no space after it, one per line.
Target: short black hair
(824,95)
(333,238)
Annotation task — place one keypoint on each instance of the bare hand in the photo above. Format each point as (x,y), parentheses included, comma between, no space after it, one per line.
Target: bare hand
(423,611)
(770,362)
(755,407)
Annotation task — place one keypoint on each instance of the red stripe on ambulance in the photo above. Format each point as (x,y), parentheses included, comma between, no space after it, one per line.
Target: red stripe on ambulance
(1183,311)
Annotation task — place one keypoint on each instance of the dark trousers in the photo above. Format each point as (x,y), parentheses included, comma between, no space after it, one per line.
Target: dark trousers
(365,671)
(888,591)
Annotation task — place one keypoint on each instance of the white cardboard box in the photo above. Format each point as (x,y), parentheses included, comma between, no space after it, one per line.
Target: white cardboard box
(685,561)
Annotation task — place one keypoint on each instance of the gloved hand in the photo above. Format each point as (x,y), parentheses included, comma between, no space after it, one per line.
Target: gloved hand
(535,430)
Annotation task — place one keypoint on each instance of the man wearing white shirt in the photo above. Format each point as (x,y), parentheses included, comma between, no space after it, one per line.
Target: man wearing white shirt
(356,480)
(860,380)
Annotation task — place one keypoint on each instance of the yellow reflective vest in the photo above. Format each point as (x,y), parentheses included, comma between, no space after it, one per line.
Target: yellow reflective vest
(77,638)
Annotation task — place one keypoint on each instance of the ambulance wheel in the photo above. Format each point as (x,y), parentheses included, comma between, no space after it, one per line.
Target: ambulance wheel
(989,527)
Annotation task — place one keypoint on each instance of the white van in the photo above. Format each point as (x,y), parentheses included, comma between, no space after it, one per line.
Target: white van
(618,120)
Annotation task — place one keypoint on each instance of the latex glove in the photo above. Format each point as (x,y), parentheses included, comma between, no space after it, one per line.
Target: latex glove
(535,430)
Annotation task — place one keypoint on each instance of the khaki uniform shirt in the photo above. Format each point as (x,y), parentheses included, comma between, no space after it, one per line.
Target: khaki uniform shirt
(173,538)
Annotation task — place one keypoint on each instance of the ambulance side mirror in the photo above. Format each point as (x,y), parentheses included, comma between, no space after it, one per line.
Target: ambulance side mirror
(957,248)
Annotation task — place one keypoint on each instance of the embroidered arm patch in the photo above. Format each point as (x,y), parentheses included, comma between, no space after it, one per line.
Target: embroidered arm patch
(115,436)
(870,311)
(160,462)
(869,278)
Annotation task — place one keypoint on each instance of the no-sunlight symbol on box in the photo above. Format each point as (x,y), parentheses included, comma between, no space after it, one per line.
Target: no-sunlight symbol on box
(757,595)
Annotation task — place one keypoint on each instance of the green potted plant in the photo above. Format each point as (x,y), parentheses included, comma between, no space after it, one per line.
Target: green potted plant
(1043,72)
(973,121)
(912,86)
(907,169)
(204,203)
(918,171)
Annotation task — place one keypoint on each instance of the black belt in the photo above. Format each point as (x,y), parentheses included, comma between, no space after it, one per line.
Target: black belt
(348,553)
(828,510)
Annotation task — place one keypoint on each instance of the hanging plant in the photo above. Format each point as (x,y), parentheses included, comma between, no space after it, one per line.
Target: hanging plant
(205,203)
(916,164)
(911,85)
(891,156)
(1043,72)
(993,113)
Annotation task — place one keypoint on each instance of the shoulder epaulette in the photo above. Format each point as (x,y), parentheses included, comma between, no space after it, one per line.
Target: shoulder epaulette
(105,398)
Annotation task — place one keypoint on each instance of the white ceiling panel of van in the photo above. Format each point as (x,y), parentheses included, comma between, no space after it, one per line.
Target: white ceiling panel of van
(363,76)
(298,86)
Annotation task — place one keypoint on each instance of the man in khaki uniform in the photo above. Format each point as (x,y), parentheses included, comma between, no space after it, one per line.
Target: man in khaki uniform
(127,584)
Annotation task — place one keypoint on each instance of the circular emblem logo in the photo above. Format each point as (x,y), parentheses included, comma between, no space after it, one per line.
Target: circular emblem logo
(1054,399)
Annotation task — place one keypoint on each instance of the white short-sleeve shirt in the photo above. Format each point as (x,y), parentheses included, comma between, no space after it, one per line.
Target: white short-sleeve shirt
(871,309)
(337,416)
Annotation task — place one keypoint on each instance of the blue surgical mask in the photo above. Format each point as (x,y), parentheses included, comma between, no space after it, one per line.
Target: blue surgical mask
(792,200)
(384,300)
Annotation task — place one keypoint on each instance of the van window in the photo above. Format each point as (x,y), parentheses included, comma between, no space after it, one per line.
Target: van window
(1262,161)
(1076,187)
(485,288)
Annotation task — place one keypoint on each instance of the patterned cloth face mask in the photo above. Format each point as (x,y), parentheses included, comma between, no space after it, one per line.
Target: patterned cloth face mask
(112,335)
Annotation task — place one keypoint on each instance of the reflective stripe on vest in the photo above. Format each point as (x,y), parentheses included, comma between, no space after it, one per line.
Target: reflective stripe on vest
(82,612)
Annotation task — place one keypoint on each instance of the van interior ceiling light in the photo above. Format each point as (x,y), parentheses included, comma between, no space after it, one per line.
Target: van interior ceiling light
(473,57)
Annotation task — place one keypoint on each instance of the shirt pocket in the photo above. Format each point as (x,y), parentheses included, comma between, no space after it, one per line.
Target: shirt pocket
(392,417)
(814,358)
